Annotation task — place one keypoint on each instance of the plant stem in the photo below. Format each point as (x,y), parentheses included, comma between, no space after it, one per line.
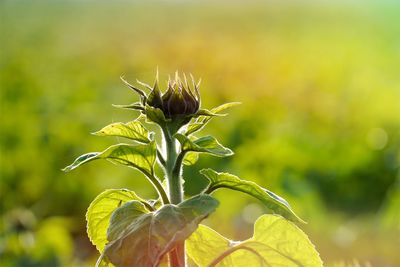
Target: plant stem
(161,192)
(173,167)
(173,172)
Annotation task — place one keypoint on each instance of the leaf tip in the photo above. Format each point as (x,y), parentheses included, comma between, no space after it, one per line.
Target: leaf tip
(67,169)
(206,171)
(301,220)
(229,152)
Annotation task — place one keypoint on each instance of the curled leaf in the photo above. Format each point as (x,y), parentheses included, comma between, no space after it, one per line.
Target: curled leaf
(202,119)
(273,202)
(207,144)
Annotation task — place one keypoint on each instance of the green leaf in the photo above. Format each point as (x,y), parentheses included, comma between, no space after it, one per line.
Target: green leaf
(206,112)
(224,106)
(144,240)
(100,210)
(190,158)
(207,144)
(272,201)
(155,115)
(141,157)
(202,120)
(133,130)
(123,216)
(134,106)
(276,242)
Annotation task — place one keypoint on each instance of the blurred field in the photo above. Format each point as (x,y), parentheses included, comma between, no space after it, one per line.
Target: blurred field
(319,123)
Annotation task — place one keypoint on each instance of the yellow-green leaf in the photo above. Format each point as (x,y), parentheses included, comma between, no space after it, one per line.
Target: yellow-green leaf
(134,106)
(155,115)
(224,106)
(207,144)
(276,242)
(144,240)
(141,157)
(273,202)
(206,112)
(100,210)
(133,130)
(190,158)
(201,121)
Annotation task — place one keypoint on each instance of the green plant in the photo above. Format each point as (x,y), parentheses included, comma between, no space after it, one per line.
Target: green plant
(131,231)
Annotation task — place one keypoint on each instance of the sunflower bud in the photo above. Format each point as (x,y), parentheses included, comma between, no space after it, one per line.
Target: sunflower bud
(180,101)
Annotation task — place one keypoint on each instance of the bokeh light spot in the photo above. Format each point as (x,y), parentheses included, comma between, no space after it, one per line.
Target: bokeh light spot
(377,138)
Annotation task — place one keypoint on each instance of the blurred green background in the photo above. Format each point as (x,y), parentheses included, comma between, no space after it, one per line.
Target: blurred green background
(319,123)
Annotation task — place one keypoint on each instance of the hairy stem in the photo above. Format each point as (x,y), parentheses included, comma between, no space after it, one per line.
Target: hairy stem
(173,172)
(173,167)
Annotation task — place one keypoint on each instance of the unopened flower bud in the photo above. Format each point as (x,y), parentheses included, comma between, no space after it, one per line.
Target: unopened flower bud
(179,101)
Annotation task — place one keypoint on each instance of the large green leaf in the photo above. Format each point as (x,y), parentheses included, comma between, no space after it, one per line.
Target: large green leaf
(207,144)
(141,157)
(100,210)
(272,201)
(123,217)
(276,242)
(144,240)
(133,130)
(201,121)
